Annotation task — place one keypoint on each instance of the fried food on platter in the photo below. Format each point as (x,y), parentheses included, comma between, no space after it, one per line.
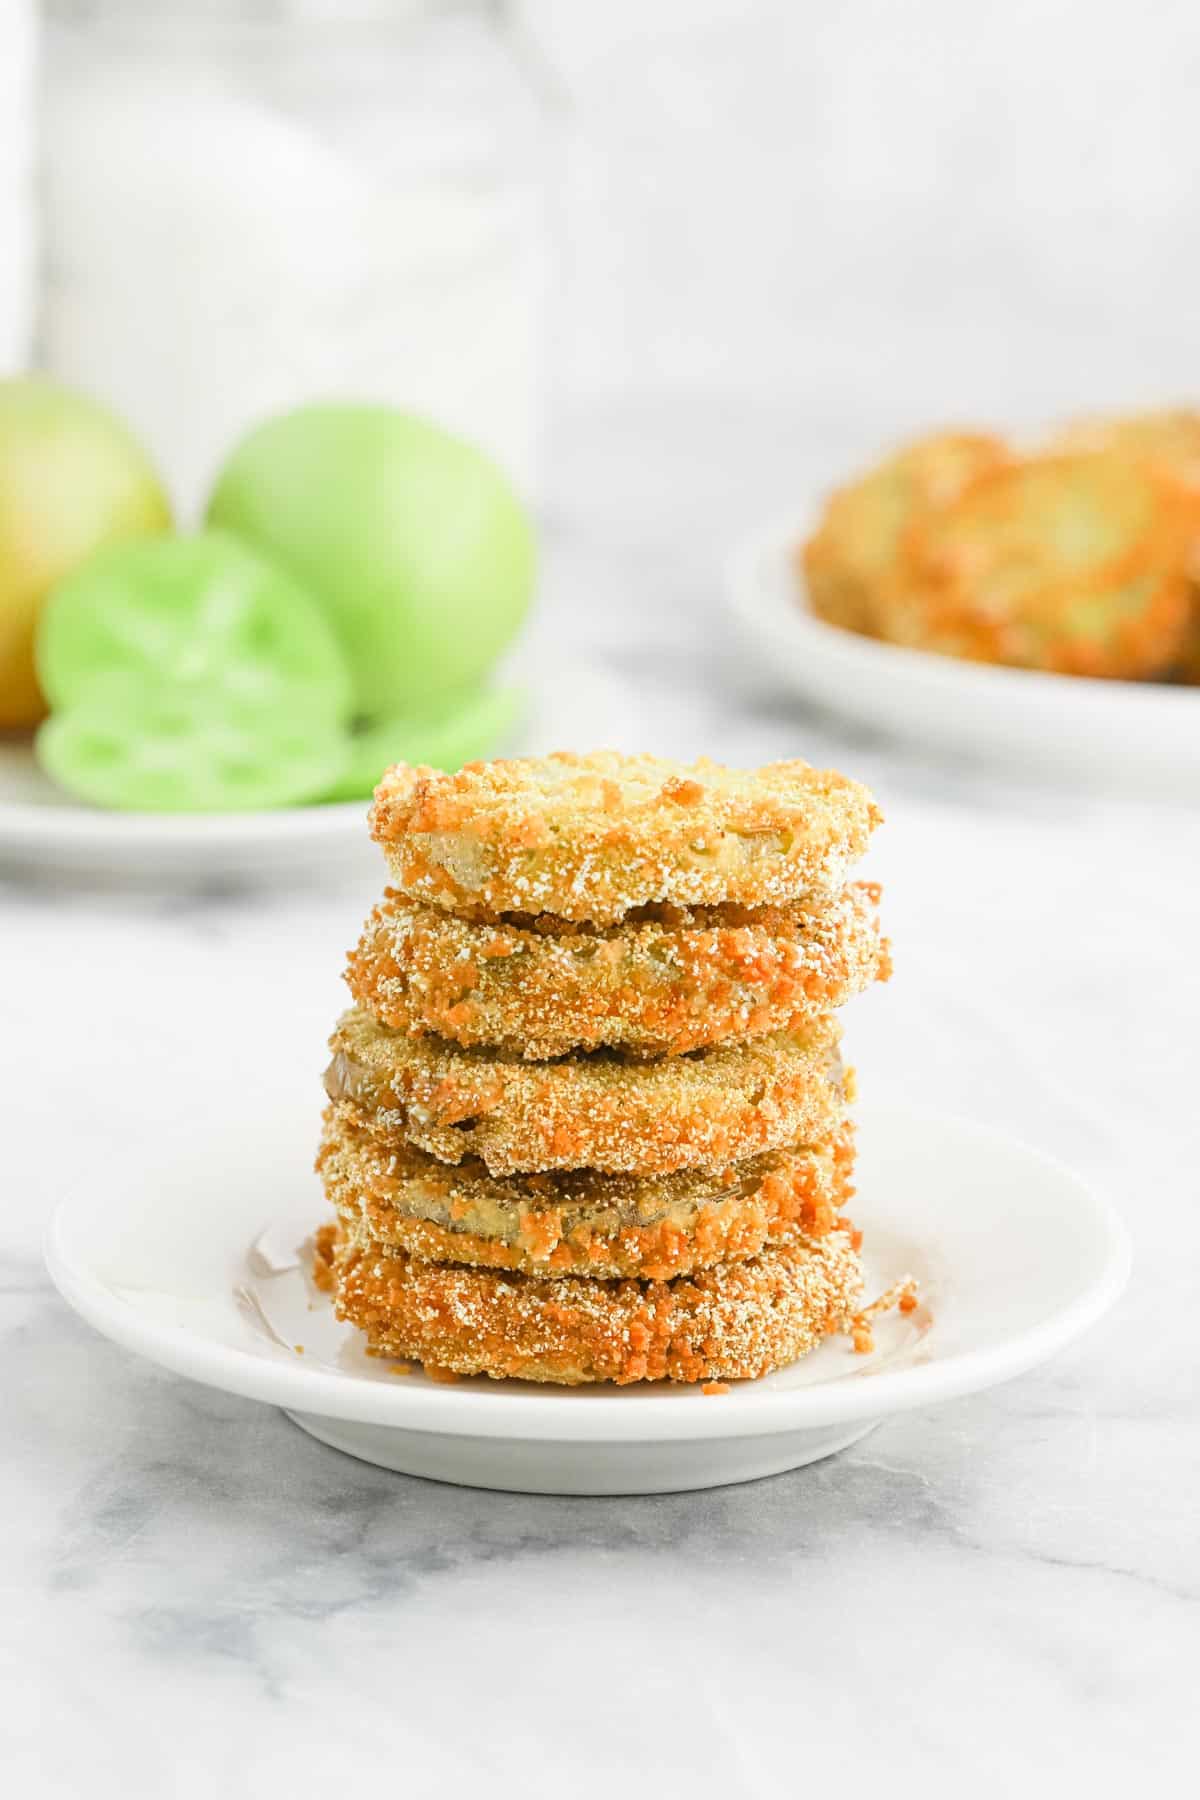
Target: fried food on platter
(733,1322)
(589,838)
(666,980)
(1169,438)
(596,1110)
(579,1221)
(1075,564)
(856,541)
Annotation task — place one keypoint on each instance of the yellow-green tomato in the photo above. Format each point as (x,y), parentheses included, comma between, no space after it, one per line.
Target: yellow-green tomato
(411,539)
(71,479)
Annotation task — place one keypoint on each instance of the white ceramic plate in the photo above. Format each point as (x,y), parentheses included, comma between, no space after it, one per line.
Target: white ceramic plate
(42,831)
(194,1261)
(1132,733)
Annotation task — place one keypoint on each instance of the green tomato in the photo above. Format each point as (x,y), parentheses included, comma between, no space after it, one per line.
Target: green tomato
(189,750)
(204,612)
(472,726)
(411,539)
(71,479)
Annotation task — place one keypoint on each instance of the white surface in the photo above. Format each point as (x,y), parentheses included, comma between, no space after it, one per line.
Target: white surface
(1015,1570)
(1136,735)
(43,832)
(982,214)
(197,1259)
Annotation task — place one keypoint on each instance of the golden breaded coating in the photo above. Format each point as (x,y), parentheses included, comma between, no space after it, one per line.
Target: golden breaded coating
(856,541)
(579,1221)
(733,1322)
(1069,563)
(589,838)
(664,981)
(598,1110)
(1169,438)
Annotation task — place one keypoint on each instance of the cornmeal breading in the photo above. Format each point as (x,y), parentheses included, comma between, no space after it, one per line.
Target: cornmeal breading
(733,1322)
(1075,564)
(596,1110)
(588,1117)
(1169,438)
(664,981)
(579,1221)
(589,838)
(1170,441)
(861,528)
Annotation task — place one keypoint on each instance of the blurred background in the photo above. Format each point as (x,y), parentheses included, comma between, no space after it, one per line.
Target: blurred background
(674,264)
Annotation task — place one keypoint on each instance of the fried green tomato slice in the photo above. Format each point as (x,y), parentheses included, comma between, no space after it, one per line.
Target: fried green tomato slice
(1169,438)
(1074,564)
(589,838)
(665,981)
(579,1221)
(596,1110)
(856,542)
(735,1321)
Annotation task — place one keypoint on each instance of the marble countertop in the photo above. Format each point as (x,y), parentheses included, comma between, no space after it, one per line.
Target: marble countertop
(197,1599)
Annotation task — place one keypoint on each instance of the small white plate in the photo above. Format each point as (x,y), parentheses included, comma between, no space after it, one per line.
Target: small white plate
(44,832)
(1133,733)
(194,1260)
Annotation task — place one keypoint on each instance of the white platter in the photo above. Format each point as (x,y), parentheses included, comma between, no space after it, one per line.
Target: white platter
(43,833)
(194,1260)
(1134,734)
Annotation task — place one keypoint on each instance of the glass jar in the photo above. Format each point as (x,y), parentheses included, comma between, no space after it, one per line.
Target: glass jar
(16,183)
(254,203)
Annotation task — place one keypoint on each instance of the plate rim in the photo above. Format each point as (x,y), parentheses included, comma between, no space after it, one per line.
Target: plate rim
(35,824)
(605,1416)
(53,835)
